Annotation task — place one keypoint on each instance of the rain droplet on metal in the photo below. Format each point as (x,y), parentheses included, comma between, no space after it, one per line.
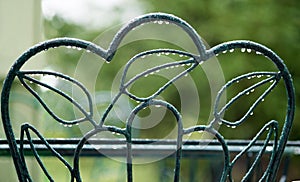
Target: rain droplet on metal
(243,49)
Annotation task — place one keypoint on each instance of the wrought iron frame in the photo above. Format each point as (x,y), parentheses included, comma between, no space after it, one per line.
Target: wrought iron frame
(17,147)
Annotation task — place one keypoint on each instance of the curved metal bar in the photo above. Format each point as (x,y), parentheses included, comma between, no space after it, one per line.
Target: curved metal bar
(153,17)
(80,145)
(179,134)
(226,169)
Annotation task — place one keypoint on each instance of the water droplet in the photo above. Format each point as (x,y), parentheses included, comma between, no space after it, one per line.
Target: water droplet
(258,53)
(118,134)
(271,81)
(173,53)
(176,66)
(69,47)
(237,81)
(160,22)
(146,75)
(158,54)
(143,56)
(262,100)
(88,51)
(231,50)
(249,50)
(30,82)
(252,90)
(167,68)
(251,113)
(79,48)
(157,71)
(258,76)
(138,101)
(228,126)
(249,77)
(233,127)
(220,122)
(186,75)
(158,106)
(217,54)
(180,55)
(267,129)
(243,49)
(65,125)
(166,22)
(152,73)
(269,148)
(77,124)
(113,133)
(224,51)
(167,53)
(247,93)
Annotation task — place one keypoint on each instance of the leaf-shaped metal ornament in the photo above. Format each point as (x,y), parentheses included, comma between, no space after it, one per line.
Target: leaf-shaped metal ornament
(270,77)
(25,76)
(271,128)
(188,59)
(25,130)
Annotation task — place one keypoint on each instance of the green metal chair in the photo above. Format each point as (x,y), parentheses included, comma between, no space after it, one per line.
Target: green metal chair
(274,143)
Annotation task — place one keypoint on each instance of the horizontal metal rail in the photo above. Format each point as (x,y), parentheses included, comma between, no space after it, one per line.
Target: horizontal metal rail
(145,148)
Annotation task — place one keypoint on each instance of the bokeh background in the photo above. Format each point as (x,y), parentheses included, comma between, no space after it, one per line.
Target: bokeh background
(24,23)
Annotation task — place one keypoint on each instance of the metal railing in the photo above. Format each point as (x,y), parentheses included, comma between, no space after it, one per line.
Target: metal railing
(274,144)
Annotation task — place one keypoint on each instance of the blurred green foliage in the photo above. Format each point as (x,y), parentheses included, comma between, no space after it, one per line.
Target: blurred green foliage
(272,23)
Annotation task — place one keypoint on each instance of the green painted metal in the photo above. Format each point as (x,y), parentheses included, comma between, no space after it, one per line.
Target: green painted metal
(18,147)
